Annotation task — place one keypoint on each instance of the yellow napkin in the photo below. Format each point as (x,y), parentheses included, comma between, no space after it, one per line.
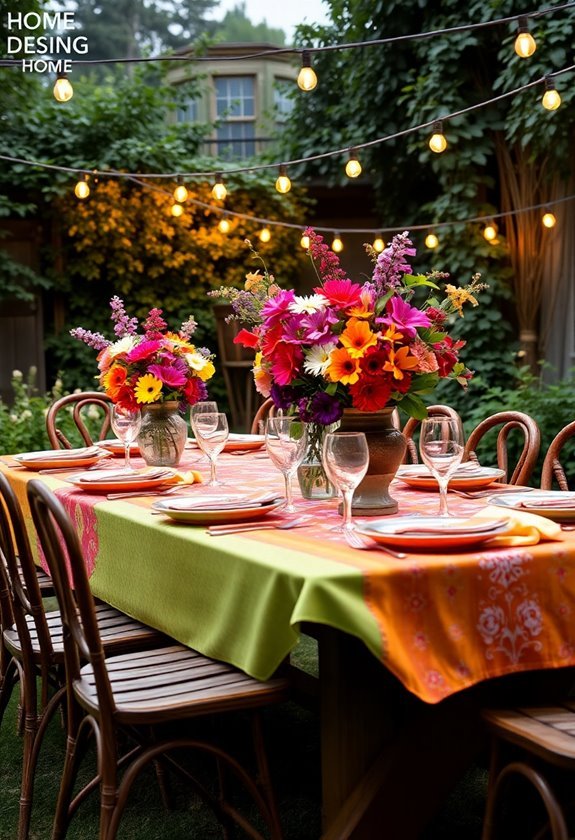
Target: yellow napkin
(188,477)
(524,528)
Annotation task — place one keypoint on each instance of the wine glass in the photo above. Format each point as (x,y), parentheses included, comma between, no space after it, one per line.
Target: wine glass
(441,448)
(211,432)
(345,458)
(286,442)
(126,423)
(203,407)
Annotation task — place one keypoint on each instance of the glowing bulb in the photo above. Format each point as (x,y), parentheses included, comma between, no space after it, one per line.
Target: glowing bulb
(431,241)
(176,210)
(551,99)
(180,193)
(307,79)
(549,220)
(265,234)
(490,232)
(63,90)
(219,191)
(353,166)
(437,141)
(283,183)
(82,190)
(337,244)
(525,44)
(304,242)
(378,244)
(224,225)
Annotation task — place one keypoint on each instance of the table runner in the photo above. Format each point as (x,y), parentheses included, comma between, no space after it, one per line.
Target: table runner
(439,622)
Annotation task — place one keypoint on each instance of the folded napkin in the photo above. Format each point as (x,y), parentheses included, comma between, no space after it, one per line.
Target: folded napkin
(524,528)
(187,477)
(95,476)
(554,501)
(473,525)
(220,502)
(61,454)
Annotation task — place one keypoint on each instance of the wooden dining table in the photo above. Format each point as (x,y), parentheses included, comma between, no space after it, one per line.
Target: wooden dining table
(409,649)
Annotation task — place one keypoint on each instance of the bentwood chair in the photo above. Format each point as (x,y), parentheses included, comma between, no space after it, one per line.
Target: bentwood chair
(79,406)
(411,455)
(552,468)
(32,641)
(266,409)
(509,421)
(128,695)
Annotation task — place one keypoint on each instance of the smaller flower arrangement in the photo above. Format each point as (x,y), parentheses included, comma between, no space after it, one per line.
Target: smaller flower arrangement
(153,366)
(364,346)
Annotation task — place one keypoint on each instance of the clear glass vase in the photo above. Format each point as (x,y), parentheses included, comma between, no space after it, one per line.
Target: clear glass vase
(163,434)
(313,482)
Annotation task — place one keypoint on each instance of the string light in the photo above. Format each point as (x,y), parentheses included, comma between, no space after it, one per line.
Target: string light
(378,244)
(437,141)
(525,44)
(307,79)
(551,99)
(304,242)
(353,166)
(265,234)
(63,90)
(176,209)
(490,232)
(180,193)
(283,183)
(219,191)
(224,225)
(337,244)
(549,219)
(82,188)
(431,240)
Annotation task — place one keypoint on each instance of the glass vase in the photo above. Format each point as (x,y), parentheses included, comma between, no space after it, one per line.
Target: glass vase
(313,482)
(163,434)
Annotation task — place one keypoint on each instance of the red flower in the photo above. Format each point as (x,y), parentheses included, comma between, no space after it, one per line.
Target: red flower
(246,338)
(373,361)
(370,393)
(287,360)
(271,338)
(341,293)
(447,354)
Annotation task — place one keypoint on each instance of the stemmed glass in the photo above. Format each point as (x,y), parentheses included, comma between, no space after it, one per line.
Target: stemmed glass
(211,431)
(441,448)
(286,443)
(126,423)
(203,407)
(345,458)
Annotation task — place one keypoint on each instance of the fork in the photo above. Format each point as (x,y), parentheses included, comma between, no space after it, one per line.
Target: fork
(354,540)
(480,494)
(223,530)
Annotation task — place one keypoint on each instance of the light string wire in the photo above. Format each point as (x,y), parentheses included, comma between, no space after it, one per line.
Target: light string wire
(15,62)
(114,173)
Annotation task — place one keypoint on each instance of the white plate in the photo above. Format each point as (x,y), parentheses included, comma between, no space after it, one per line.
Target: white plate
(236,443)
(183,510)
(433,532)
(116,447)
(61,458)
(558,505)
(466,478)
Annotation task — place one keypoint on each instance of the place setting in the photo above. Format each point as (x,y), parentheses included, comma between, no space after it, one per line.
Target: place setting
(219,508)
(558,505)
(61,459)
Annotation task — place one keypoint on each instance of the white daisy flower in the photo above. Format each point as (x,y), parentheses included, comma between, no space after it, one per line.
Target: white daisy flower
(307,304)
(317,360)
(195,360)
(124,345)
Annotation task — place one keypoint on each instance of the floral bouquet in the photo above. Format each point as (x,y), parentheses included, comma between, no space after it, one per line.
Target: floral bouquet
(364,346)
(155,366)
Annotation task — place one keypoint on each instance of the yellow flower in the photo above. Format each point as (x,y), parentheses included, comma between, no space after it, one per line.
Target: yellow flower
(458,297)
(253,279)
(147,388)
(206,372)
(357,337)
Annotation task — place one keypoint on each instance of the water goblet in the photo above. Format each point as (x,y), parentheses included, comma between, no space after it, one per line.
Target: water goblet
(441,448)
(286,442)
(345,458)
(211,432)
(203,407)
(126,423)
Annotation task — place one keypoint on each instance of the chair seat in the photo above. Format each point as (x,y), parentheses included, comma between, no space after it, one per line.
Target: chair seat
(546,731)
(118,631)
(44,581)
(175,682)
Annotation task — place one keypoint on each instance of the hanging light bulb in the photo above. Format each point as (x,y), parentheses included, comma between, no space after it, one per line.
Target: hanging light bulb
(265,234)
(337,244)
(63,90)
(307,79)
(224,225)
(378,244)
(219,191)
(525,44)
(283,183)
(431,240)
(549,219)
(176,209)
(353,166)
(180,193)
(437,141)
(551,99)
(82,188)
(490,232)
(304,242)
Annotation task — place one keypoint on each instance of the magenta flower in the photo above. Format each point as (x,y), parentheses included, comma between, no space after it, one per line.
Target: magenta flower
(143,350)
(154,325)
(405,317)
(318,326)
(275,308)
(171,376)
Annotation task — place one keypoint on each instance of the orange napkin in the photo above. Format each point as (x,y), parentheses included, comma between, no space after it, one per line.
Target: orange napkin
(524,528)
(187,477)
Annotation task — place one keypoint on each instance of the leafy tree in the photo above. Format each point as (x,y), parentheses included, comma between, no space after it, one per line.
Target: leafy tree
(237,27)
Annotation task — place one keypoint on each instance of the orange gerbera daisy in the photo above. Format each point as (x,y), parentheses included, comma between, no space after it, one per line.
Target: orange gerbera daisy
(342,367)
(357,338)
(400,360)
(113,380)
(392,334)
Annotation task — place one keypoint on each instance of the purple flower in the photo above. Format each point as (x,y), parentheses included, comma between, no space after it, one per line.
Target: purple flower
(325,408)
(122,324)
(92,339)
(391,263)
(283,396)
(318,326)
(276,307)
(188,328)
(405,317)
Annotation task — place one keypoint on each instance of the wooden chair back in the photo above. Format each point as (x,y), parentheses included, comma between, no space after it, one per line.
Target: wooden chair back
(509,421)
(412,425)
(552,468)
(81,401)
(266,409)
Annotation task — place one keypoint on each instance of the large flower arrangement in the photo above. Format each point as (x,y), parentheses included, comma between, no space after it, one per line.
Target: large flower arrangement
(153,366)
(364,346)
